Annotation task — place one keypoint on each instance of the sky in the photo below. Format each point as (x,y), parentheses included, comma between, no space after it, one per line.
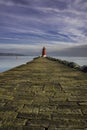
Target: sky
(28,25)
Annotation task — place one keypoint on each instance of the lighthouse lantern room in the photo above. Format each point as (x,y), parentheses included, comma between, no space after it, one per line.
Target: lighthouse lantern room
(44,52)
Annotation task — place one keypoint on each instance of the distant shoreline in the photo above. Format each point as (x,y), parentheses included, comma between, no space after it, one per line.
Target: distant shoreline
(16,54)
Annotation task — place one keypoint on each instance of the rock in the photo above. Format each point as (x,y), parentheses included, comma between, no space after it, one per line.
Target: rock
(65,62)
(73,65)
(84,68)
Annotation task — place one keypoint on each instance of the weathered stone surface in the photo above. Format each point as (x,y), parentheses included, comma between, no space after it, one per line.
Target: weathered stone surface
(43,95)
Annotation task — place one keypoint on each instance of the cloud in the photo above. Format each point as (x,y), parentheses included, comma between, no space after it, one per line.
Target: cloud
(51,22)
(80,5)
(14,2)
(60,49)
(24,2)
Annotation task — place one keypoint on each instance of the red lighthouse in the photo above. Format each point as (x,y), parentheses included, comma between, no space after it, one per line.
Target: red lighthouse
(44,52)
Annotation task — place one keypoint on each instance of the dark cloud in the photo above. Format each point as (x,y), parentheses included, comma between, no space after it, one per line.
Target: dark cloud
(56,4)
(60,4)
(24,2)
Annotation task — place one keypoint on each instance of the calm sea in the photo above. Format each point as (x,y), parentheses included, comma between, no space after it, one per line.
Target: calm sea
(8,62)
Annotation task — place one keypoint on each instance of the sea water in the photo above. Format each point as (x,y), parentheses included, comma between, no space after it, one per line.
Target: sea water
(79,60)
(9,62)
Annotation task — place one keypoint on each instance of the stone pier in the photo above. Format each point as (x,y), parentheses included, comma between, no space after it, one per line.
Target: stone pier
(43,95)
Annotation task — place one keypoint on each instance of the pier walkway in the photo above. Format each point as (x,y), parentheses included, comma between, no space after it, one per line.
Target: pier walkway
(43,95)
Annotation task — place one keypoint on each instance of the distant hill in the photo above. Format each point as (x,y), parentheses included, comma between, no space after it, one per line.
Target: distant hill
(11,54)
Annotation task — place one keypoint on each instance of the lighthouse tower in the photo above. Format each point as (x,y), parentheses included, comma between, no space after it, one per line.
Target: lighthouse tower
(44,52)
